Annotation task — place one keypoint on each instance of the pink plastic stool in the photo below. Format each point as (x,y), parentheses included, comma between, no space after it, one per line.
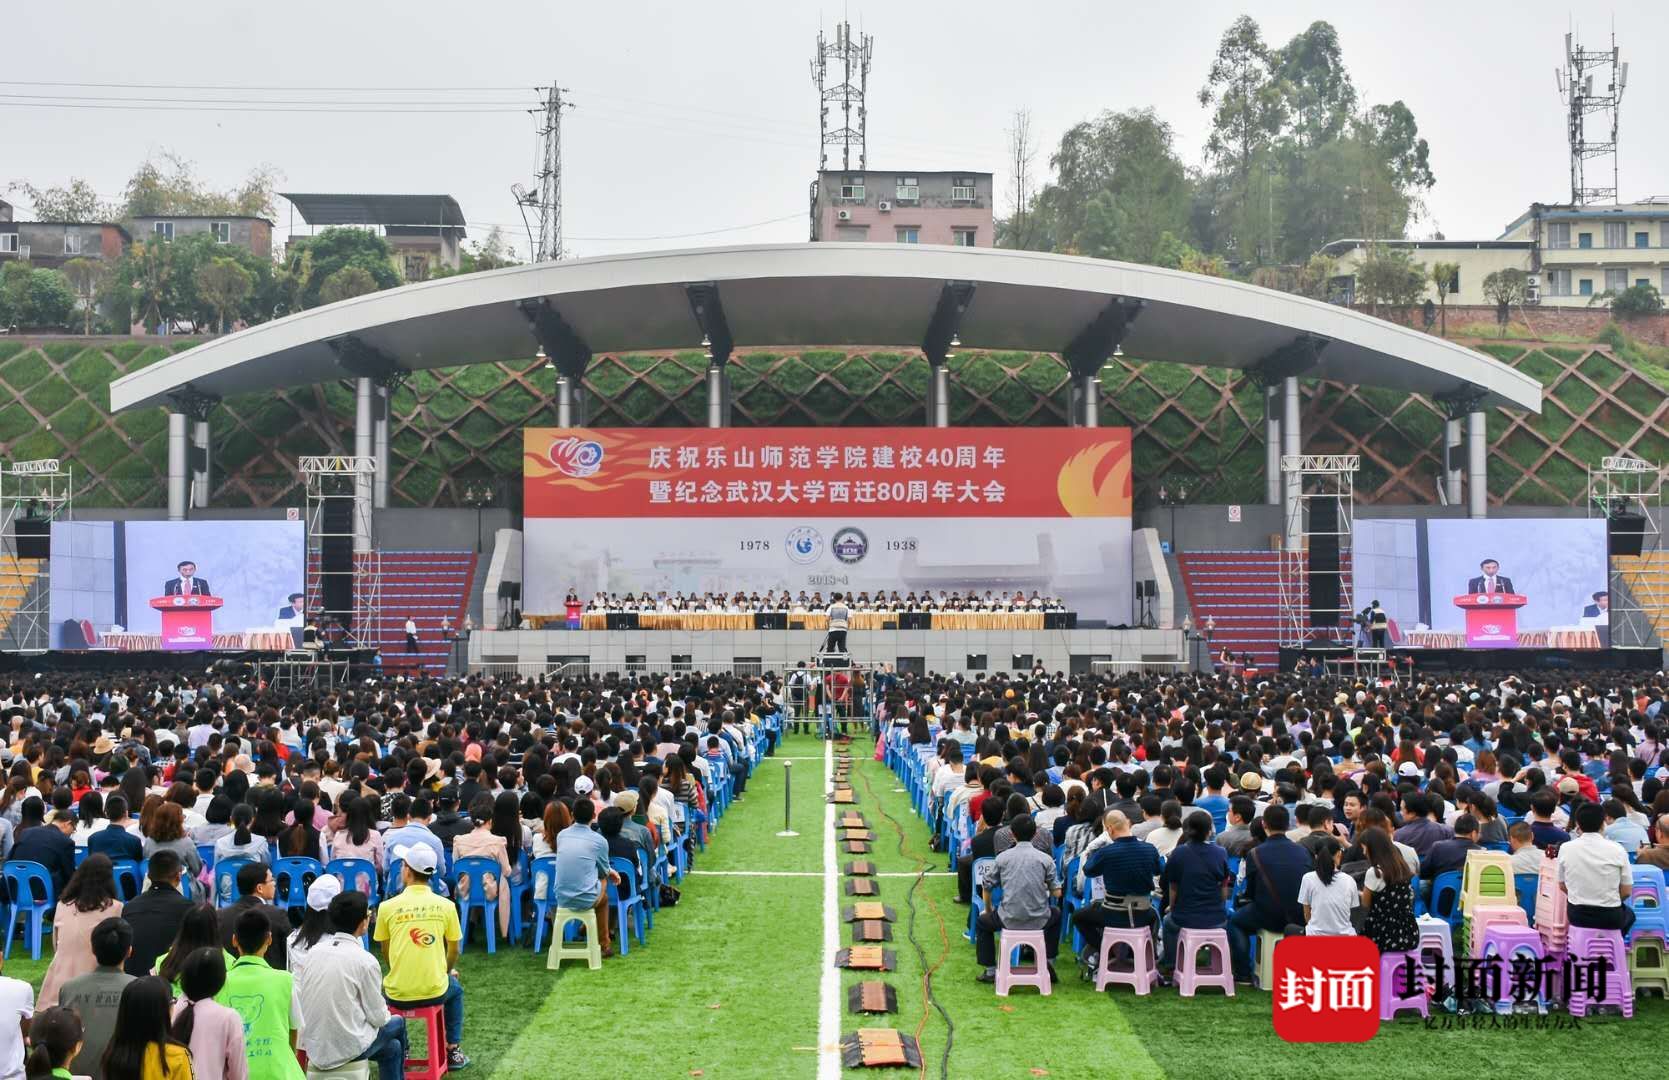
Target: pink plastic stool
(1009,976)
(1504,942)
(1391,1000)
(1143,973)
(1486,915)
(432,1067)
(1217,971)
(1588,945)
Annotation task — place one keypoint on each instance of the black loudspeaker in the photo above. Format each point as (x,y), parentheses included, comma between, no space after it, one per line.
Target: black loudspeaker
(1324,562)
(509,590)
(1624,533)
(34,538)
(336,554)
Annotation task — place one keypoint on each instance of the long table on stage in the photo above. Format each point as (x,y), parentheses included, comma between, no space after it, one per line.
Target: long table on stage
(253,641)
(815,620)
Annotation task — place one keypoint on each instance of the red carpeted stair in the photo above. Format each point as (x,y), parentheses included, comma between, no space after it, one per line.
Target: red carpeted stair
(427,586)
(1241,590)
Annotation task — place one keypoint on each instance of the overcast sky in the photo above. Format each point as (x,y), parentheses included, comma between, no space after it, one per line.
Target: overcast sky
(697,124)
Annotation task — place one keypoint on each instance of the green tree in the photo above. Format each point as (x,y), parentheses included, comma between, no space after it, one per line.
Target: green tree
(149,270)
(1247,113)
(1634,302)
(75,202)
(312,260)
(1391,130)
(1319,96)
(86,278)
(190,255)
(345,284)
(35,298)
(493,253)
(1118,188)
(1443,277)
(1506,290)
(225,286)
(167,184)
(1390,276)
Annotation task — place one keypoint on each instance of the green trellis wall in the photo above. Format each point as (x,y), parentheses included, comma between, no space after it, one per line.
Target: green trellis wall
(456,427)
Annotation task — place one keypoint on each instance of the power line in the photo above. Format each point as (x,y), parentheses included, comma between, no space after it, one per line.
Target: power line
(239,101)
(345,111)
(321,89)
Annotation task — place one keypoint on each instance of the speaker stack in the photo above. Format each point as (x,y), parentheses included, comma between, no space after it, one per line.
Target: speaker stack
(1324,562)
(336,556)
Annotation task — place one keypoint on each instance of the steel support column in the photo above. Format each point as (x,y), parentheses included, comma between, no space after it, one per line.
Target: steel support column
(364,447)
(179,476)
(200,476)
(1291,436)
(379,446)
(1089,395)
(1272,445)
(1452,444)
(1477,479)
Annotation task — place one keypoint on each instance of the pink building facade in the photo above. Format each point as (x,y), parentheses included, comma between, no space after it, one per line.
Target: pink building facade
(895,207)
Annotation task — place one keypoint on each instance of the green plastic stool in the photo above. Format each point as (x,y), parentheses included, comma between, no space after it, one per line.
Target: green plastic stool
(1648,965)
(591,952)
(1265,974)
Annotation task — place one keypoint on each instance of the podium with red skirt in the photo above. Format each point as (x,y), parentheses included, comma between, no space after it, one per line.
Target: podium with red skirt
(187,621)
(1491,619)
(575,612)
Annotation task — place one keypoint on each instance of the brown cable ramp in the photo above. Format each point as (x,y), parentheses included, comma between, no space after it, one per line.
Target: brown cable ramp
(868,909)
(872,997)
(880,1048)
(871,930)
(859,868)
(862,887)
(867,958)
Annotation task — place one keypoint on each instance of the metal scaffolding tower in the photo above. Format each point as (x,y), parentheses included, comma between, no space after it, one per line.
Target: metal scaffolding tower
(1321,479)
(33,494)
(849,59)
(350,593)
(1628,493)
(547,246)
(1585,96)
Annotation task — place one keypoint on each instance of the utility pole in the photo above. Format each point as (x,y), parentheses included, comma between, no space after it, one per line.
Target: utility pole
(547,245)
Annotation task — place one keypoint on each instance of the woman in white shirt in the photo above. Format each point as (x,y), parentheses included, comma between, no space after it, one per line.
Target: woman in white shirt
(1327,895)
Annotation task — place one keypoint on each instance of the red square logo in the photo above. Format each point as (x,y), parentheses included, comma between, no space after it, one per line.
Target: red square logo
(1326,989)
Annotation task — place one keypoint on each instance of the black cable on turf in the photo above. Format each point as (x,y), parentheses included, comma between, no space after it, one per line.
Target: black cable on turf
(910,931)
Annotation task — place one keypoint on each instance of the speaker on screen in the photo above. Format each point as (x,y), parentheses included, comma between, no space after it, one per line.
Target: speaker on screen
(1324,562)
(336,553)
(34,541)
(1624,533)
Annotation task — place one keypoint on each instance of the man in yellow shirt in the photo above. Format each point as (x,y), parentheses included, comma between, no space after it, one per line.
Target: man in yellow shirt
(419,934)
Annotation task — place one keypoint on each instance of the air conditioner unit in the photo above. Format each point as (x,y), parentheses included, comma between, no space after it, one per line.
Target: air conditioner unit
(1532,281)
(843,215)
(885,206)
(1532,293)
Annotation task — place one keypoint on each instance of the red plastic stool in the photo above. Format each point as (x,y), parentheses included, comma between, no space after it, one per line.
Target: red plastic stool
(434,1066)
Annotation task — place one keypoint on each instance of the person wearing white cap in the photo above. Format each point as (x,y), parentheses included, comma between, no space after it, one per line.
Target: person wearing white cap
(419,933)
(344,1017)
(315,924)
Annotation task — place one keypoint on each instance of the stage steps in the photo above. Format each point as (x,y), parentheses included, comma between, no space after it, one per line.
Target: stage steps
(1241,591)
(426,585)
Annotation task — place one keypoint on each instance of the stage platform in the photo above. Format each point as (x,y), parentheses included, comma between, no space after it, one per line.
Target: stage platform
(533,651)
(1446,661)
(361,662)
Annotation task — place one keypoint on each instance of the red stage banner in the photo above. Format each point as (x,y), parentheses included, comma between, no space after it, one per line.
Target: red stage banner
(807,472)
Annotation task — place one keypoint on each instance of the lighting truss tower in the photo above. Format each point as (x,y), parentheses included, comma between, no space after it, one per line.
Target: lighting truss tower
(547,201)
(337,476)
(33,494)
(840,70)
(1628,493)
(1321,478)
(1591,85)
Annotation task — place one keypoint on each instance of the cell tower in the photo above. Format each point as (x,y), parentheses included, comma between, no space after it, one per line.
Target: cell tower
(840,70)
(547,246)
(1591,85)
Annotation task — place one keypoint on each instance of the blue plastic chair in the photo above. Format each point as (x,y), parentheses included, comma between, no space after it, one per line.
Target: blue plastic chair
(1524,886)
(976,895)
(80,857)
(205,852)
(521,887)
(543,876)
(1445,898)
(626,906)
(651,891)
(291,879)
(31,880)
(360,874)
(1496,845)
(393,881)
(475,871)
(226,880)
(130,879)
(145,875)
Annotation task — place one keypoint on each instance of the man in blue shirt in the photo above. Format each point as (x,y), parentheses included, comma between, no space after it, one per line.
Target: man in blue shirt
(114,841)
(1127,867)
(581,866)
(410,826)
(1215,801)
(1274,870)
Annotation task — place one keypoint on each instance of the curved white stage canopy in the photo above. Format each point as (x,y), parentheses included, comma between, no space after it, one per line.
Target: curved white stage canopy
(785,295)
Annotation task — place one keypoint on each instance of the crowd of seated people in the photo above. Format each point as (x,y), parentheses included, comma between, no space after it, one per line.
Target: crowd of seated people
(1287,803)
(184,773)
(741,603)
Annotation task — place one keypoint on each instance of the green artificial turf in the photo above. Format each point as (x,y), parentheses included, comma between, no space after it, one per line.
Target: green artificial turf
(727,986)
